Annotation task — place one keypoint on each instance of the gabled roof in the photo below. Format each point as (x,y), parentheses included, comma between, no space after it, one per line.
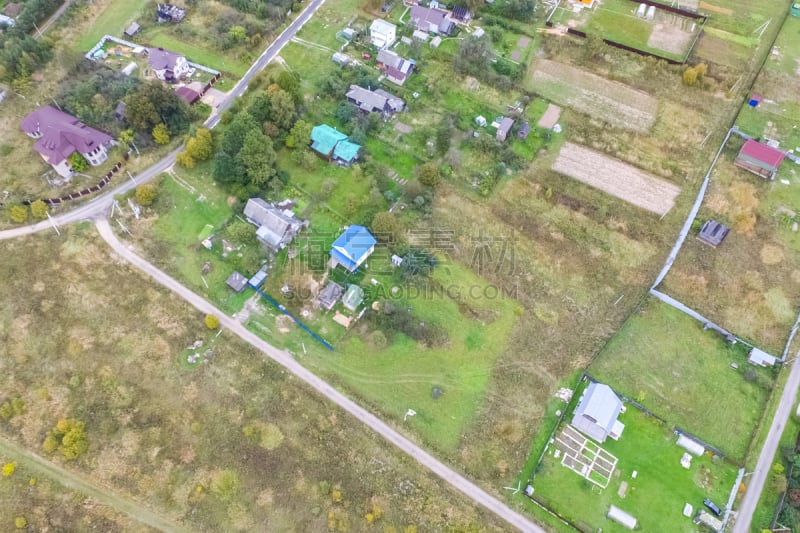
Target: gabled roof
(461,13)
(161,59)
(346,151)
(325,138)
(353,297)
(505,125)
(236,281)
(353,246)
(378,100)
(389,58)
(276,227)
(381,26)
(396,103)
(12,9)
(713,233)
(761,154)
(188,95)
(61,134)
(426,18)
(330,295)
(600,404)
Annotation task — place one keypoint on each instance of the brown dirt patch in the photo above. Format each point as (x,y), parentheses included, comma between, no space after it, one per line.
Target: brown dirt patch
(616,178)
(715,9)
(669,38)
(771,254)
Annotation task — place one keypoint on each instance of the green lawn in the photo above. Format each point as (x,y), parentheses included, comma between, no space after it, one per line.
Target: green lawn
(112,21)
(663,358)
(196,51)
(655,497)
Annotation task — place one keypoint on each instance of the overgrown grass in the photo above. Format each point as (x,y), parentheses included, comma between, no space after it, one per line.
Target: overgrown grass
(113,20)
(664,358)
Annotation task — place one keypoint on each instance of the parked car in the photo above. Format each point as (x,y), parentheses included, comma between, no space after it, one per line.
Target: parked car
(713,507)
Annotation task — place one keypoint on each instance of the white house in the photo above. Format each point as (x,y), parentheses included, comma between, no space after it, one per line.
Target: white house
(382,33)
(597,412)
(167,66)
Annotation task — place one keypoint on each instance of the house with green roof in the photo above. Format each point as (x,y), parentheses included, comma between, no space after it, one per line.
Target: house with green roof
(333,145)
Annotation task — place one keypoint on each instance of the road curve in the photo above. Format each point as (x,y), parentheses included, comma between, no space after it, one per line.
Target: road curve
(96,206)
(76,482)
(286,360)
(744,515)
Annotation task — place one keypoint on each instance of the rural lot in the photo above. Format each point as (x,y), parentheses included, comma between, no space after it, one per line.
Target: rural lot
(454,216)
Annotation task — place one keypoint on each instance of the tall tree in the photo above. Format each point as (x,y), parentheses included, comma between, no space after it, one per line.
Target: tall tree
(283,110)
(258,158)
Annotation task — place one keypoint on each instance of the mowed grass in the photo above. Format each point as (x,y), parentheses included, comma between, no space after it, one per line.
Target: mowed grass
(655,497)
(196,51)
(113,20)
(664,359)
(159,430)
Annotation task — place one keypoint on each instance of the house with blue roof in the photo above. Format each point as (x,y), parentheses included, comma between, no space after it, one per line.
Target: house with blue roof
(352,248)
(333,145)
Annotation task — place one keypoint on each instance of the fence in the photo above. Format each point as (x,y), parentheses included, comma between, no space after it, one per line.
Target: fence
(95,188)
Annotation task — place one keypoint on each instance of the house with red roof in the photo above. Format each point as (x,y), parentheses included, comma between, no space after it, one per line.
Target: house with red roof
(760,159)
(60,135)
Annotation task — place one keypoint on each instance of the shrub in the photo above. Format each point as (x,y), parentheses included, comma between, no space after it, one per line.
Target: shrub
(39,209)
(19,213)
(212,322)
(145,194)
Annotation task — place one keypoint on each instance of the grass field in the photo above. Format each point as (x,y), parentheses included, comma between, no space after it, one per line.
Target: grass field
(113,19)
(655,497)
(158,430)
(664,358)
(755,268)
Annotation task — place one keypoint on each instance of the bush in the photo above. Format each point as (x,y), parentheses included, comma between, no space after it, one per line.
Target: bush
(145,194)
(39,209)
(212,322)
(19,213)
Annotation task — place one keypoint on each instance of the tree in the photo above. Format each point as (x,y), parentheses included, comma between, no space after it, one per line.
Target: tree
(520,9)
(201,146)
(474,56)
(39,209)
(242,232)
(693,75)
(8,469)
(212,322)
(258,158)
(429,174)
(385,226)
(20,522)
(145,194)
(69,437)
(233,137)
(161,134)
(154,103)
(418,263)
(184,159)
(227,169)
(283,110)
(299,135)
(126,137)
(237,33)
(77,162)
(19,213)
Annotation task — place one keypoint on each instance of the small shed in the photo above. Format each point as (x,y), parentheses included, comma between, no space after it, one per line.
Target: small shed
(236,281)
(257,279)
(524,131)
(760,159)
(760,358)
(119,111)
(436,41)
(421,35)
(478,33)
(504,128)
(353,297)
(341,59)
(754,100)
(349,33)
(712,522)
(618,515)
(331,294)
(187,95)
(132,30)
(713,233)
(795,10)
(480,120)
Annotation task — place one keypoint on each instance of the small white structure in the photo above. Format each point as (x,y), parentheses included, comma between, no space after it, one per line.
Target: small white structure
(436,41)
(480,120)
(641,11)
(686,461)
(618,515)
(129,68)
(651,12)
(382,34)
(690,445)
(478,33)
(688,510)
(349,33)
(759,358)
(421,35)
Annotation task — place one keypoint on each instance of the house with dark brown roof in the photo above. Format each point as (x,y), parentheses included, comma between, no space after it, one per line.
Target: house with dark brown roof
(60,135)
(760,159)
(167,66)
(188,95)
(431,20)
(397,68)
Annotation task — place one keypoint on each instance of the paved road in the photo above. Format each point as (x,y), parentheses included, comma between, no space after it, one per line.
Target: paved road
(103,201)
(744,515)
(70,479)
(285,359)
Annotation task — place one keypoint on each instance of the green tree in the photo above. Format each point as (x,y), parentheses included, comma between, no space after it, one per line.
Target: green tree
(212,322)
(282,109)
(153,103)
(77,162)
(69,437)
(418,263)
(20,522)
(227,169)
(299,135)
(126,137)
(237,33)
(385,226)
(258,158)
(429,174)
(39,209)
(242,232)
(234,135)
(145,194)
(184,159)
(161,134)
(19,213)
(201,146)
(474,56)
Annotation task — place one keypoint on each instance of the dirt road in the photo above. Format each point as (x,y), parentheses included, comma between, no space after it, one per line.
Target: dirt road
(78,483)
(285,359)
